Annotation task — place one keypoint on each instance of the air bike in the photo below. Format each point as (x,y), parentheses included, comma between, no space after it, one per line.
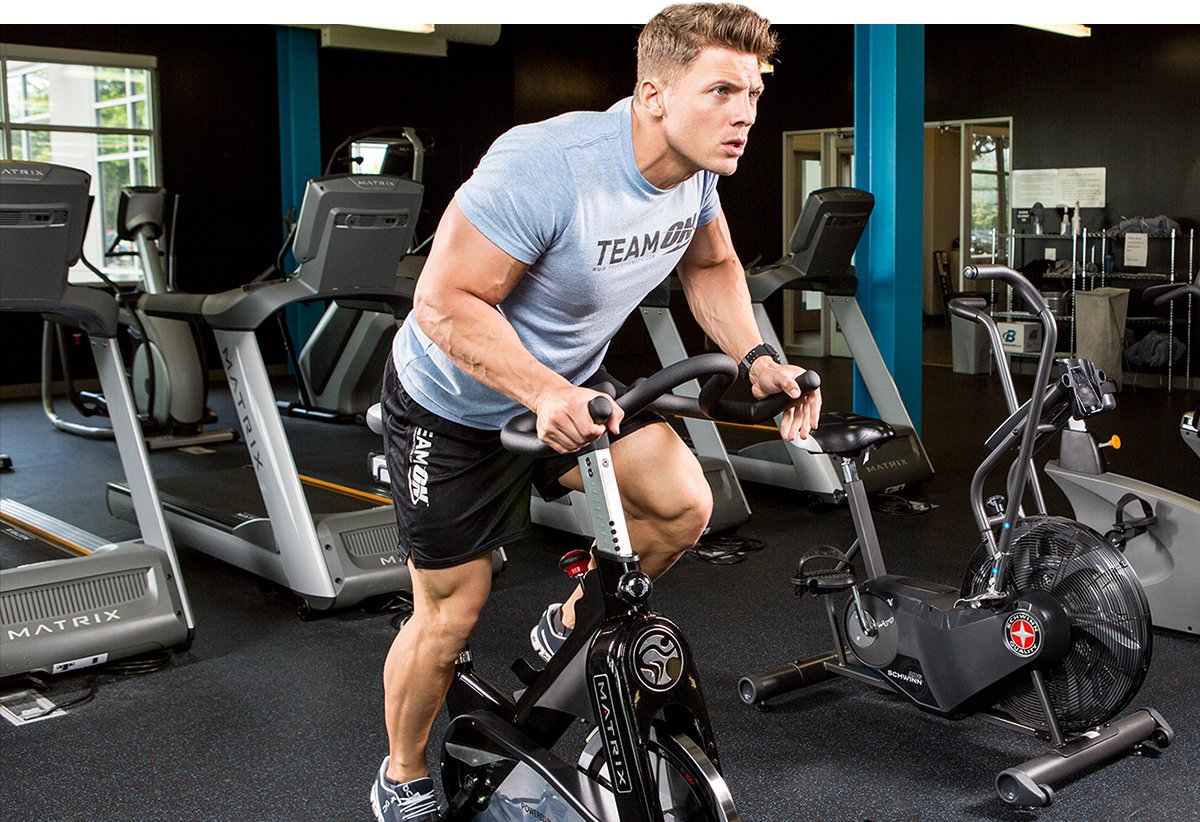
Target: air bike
(625,670)
(1049,632)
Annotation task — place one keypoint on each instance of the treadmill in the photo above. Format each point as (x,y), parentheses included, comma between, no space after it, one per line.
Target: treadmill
(331,545)
(68,598)
(822,245)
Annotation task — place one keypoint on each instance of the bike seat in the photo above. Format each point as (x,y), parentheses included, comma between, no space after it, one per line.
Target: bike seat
(850,434)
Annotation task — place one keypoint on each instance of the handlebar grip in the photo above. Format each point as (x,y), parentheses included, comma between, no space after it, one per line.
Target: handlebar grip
(1018,281)
(600,408)
(765,409)
(967,308)
(1163,294)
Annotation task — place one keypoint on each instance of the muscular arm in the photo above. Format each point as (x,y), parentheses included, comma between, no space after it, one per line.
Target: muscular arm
(462,282)
(715,284)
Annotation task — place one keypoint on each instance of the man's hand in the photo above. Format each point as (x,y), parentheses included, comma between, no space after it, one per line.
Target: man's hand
(563,420)
(768,377)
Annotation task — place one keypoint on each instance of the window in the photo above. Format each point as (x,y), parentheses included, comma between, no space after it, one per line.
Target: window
(90,110)
(990,165)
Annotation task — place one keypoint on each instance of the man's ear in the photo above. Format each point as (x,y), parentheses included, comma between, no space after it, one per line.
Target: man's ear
(650,97)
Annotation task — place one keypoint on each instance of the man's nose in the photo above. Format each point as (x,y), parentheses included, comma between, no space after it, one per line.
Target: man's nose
(745,111)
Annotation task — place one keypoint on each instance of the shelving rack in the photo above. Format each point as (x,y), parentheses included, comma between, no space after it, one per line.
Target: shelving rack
(1086,271)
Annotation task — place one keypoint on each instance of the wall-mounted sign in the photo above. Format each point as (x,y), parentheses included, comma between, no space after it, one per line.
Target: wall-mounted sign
(1059,187)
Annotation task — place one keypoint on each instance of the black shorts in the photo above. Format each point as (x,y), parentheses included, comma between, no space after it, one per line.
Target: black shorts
(457,492)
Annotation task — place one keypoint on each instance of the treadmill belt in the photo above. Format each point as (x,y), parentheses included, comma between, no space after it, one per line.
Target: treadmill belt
(232,497)
(20,547)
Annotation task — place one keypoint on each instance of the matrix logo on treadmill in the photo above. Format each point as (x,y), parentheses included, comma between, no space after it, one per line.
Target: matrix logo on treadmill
(624,249)
(35,172)
(372,182)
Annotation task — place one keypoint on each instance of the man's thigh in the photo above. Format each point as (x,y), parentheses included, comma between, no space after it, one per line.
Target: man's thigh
(654,467)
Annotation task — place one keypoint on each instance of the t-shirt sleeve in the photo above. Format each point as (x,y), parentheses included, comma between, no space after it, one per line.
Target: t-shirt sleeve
(710,201)
(521,195)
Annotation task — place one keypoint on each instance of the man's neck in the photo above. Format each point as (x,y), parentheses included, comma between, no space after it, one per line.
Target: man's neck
(658,163)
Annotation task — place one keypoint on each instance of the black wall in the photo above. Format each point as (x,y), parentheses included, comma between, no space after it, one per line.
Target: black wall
(1124,99)
(220,144)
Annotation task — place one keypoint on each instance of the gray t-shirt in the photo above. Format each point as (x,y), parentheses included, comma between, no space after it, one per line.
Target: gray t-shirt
(566,197)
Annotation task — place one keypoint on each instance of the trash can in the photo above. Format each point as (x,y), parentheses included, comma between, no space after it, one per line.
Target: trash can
(969,344)
(1100,336)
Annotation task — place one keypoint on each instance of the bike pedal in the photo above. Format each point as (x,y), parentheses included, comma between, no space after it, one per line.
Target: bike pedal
(833,572)
(824,582)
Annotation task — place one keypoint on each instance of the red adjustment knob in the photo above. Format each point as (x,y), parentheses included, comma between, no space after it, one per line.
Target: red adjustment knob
(575,563)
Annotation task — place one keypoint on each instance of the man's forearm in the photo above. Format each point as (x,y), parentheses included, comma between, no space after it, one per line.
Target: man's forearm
(720,302)
(482,343)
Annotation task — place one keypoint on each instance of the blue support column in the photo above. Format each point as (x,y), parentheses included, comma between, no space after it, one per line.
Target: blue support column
(299,140)
(889,159)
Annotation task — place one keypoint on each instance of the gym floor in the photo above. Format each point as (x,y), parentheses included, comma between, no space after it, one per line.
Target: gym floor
(267,717)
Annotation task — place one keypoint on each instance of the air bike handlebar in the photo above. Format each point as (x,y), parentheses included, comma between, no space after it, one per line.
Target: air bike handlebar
(1005,274)
(653,393)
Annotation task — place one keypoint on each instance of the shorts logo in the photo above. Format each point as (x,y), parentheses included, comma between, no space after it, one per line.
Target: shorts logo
(418,466)
(1023,634)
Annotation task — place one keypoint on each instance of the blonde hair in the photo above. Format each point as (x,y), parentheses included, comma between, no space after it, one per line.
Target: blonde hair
(675,36)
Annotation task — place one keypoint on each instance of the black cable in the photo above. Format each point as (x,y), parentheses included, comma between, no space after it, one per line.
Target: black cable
(399,604)
(898,506)
(36,683)
(139,665)
(725,550)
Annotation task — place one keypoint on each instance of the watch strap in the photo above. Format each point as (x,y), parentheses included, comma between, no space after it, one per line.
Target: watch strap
(760,350)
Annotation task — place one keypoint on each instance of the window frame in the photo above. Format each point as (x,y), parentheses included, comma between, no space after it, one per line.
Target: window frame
(11,132)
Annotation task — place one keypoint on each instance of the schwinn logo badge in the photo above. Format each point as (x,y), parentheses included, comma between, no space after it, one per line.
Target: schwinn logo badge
(1023,634)
(658,660)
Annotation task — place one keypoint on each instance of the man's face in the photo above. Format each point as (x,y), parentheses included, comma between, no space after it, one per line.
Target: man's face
(710,108)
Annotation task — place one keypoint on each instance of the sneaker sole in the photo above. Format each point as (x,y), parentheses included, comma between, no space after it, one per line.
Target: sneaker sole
(537,647)
(375,805)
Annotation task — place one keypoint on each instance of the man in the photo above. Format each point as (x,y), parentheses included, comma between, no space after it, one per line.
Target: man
(561,231)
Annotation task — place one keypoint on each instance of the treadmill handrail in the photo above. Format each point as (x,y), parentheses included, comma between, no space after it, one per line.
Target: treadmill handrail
(247,307)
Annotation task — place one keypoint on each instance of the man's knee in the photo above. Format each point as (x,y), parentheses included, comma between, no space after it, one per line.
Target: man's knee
(680,497)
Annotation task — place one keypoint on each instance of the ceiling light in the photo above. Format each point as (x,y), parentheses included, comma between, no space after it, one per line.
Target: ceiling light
(1069,29)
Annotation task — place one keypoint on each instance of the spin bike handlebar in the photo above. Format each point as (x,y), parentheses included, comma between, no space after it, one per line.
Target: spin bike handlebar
(654,393)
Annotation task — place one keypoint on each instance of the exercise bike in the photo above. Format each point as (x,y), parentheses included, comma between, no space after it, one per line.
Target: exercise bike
(624,669)
(1049,632)
(1155,527)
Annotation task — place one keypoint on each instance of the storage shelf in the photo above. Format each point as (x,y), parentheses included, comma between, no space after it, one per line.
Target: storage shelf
(1026,315)
(1083,253)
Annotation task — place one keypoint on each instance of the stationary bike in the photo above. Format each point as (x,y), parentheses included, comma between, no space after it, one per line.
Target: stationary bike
(1155,527)
(624,669)
(1049,631)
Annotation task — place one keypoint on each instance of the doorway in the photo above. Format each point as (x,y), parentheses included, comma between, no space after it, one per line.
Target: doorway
(967,185)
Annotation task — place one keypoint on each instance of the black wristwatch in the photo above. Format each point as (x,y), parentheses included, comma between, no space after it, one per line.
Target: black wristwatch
(761,350)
